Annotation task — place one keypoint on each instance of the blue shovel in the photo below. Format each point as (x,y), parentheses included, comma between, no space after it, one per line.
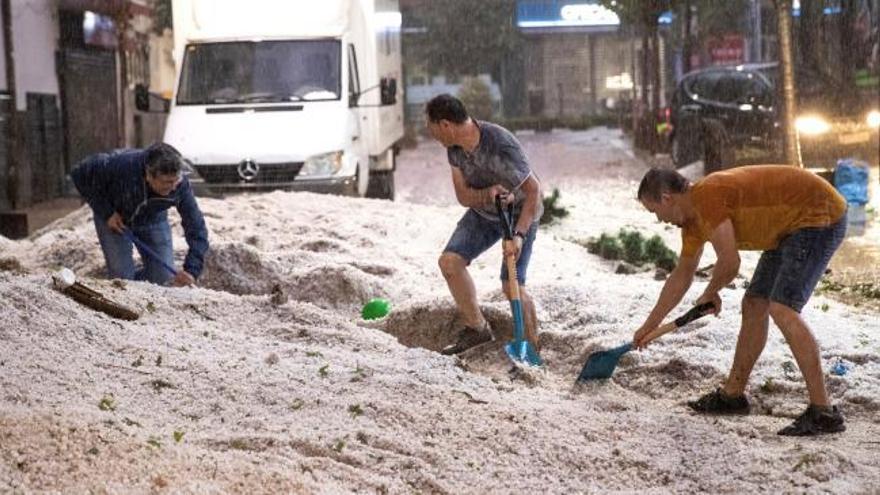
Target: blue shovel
(128,234)
(519,349)
(601,364)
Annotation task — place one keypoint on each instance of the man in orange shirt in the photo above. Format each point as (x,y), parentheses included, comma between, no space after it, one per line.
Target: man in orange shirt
(798,220)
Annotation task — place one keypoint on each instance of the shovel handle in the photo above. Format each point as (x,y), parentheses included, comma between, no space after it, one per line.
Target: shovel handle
(128,234)
(694,313)
(505,217)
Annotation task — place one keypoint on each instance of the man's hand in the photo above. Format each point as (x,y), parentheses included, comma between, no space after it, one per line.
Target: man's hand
(499,190)
(512,247)
(183,279)
(115,223)
(713,298)
(639,337)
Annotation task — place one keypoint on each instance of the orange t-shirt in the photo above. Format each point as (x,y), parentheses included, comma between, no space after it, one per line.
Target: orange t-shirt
(764,202)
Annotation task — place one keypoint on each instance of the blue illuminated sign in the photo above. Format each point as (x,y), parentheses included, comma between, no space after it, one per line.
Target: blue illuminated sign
(568,13)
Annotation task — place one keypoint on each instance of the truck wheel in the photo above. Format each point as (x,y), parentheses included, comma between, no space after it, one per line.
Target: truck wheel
(719,152)
(381,185)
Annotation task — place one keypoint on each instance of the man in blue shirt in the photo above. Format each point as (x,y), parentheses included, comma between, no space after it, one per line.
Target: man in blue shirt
(133,189)
(486,161)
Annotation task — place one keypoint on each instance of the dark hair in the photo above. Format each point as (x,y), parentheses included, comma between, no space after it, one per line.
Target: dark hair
(446,107)
(657,182)
(163,159)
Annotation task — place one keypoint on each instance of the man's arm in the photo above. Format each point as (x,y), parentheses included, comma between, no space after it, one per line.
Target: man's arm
(194,229)
(723,240)
(673,291)
(531,187)
(474,198)
(91,178)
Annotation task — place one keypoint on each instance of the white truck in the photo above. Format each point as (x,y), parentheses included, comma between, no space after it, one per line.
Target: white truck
(288,94)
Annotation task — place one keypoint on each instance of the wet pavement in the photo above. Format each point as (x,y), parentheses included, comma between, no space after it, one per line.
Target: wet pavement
(857,262)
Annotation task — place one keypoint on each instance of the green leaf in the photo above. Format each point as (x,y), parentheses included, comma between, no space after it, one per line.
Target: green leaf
(178,436)
(107,403)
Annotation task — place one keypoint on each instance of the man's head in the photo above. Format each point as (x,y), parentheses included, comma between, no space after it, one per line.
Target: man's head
(446,115)
(661,193)
(163,170)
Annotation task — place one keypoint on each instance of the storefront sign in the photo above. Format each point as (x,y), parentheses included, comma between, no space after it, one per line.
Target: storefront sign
(562,13)
(570,13)
(729,49)
(585,14)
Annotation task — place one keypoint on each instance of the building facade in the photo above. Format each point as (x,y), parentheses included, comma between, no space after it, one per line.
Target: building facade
(67,82)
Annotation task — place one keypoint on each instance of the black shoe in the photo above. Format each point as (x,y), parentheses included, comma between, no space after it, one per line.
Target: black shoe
(718,402)
(468,337)
(815,421)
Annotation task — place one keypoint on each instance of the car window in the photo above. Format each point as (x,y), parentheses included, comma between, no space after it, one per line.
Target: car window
(703,87)
(738,87)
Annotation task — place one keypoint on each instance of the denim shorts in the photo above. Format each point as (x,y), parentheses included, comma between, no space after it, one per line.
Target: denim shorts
(789,274)
(475,234)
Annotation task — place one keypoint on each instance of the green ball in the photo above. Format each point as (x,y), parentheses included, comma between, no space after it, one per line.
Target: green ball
(376,308)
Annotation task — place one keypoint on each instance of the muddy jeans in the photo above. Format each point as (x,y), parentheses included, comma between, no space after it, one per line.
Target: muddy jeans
(120,259)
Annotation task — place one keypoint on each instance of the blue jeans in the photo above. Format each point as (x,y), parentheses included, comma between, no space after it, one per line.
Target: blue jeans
(475,234)
(789,274)
(120,259)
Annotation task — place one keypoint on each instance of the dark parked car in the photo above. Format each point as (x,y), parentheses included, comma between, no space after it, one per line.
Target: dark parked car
(717,111)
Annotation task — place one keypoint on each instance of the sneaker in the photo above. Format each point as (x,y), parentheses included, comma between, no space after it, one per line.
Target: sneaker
(468,337)
(717,402)
(815,421)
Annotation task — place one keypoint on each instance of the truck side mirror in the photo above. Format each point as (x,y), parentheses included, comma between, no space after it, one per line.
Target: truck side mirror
(388,91)
(141,97)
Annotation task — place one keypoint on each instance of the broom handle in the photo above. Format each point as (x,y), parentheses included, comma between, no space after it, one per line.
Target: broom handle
(693,314)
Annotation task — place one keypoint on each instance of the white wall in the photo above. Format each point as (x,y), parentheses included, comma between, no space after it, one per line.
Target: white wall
(34,39)
(162,63)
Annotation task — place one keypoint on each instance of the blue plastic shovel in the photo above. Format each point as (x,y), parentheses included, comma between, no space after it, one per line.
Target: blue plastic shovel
(601,364)
(128,234)
(519,349)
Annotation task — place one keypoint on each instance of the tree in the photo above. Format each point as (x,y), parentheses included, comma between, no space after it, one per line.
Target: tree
(791,144)
(644,15)
(463,37)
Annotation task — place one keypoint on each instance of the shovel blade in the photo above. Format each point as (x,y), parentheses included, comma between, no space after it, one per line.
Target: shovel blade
(601,364)
(524,352)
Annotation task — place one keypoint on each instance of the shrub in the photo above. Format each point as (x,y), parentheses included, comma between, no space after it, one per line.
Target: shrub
(551,210)
(633,250)
(477,98)
(631,246)
(606,246)
(657,252)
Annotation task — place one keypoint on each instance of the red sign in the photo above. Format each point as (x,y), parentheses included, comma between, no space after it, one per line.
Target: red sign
(729,49)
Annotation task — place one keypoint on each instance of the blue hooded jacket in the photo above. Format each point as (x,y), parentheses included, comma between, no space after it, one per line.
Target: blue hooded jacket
(115,183)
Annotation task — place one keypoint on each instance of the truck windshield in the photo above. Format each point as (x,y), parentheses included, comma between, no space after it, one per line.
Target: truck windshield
(260,71)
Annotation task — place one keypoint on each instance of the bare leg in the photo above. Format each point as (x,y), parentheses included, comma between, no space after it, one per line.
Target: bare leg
(530,318)
(749,344)
(461,286)
(805,349)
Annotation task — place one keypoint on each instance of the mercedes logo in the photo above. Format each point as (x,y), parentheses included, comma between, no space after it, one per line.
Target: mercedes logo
(248,170)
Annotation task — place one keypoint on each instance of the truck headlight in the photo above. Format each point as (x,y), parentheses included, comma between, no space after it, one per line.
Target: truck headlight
(326,164)
(874,119)
(812,125)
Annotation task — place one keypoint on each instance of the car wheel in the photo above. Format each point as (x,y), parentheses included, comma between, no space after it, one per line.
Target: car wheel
(381,185)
